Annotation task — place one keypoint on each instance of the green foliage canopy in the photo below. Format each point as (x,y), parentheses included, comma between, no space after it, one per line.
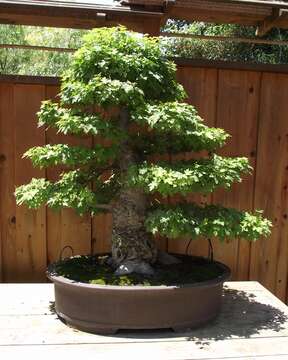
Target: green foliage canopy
(123,69)
(72,190)
(179,122)
(76,122)
(133,60)
(63,154)
(203,175)
(210,221)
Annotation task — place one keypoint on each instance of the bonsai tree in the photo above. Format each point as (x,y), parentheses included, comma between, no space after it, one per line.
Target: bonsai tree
(120,87)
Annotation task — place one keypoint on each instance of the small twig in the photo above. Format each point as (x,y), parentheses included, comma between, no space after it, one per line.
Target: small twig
(223,38)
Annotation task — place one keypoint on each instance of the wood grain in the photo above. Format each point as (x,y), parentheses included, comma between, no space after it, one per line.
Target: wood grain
(35,331)
(84,15)
(269,256)
(7,187)
(237,111)
(65,227)
(30,243)
(201,87)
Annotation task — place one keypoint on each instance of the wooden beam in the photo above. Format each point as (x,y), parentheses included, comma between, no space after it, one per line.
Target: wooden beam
(271,21)
(143,2)
(219,12)
(152,28)
(37,47)
(224,38)
(73,15)
(138,14)
(258,3)
(230,65)
(180,62)
(186,3)
(30,79)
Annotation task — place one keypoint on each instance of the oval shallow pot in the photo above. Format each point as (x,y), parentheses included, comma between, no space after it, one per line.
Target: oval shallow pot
(106,308)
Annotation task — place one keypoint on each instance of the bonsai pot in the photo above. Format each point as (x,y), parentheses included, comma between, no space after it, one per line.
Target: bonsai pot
(108,308)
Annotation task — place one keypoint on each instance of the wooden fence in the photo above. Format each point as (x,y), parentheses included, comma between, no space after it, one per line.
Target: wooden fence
(250,103)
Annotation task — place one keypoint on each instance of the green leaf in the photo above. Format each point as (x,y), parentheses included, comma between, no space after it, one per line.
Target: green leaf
(102,92)
(178,122)
(119,54)
(62,154)
(123,69)
(75,121)
(72,190)
(209,221)
(202,175)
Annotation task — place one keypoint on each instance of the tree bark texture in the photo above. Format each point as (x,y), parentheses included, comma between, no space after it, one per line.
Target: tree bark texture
(130,241)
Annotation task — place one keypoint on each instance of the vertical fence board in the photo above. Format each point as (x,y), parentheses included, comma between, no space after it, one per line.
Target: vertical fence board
(30,224)
(7,184)
(269,256)
(201,87)
(101,233)
(237,111)
(65,227)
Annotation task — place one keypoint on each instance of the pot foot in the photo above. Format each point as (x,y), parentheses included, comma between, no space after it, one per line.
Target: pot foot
(86,326)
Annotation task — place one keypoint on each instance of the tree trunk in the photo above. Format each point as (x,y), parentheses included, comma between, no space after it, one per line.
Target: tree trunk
(133,249)
(130,241)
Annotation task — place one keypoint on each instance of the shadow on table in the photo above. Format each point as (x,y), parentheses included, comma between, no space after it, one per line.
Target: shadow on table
(241,316)
(52,309)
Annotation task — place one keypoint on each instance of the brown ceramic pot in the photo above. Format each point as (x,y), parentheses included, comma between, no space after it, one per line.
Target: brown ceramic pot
(107,308)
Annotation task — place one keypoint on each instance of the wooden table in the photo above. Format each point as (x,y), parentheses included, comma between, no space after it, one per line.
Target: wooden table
(253,325)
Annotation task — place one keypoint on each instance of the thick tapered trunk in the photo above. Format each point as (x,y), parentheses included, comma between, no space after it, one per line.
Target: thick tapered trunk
(133,249)
(130,241)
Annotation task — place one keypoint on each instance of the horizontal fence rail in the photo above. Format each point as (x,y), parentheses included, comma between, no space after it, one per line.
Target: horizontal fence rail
(163,34)
(250,104)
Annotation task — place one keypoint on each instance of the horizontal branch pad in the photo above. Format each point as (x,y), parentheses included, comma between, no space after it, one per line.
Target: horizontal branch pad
(203,175)
(191,220)
(63,154)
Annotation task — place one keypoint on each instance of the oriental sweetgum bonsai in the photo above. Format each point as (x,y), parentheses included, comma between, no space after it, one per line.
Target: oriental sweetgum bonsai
(120,87)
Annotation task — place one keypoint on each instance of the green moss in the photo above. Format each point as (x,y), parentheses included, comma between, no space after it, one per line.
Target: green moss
(95,270)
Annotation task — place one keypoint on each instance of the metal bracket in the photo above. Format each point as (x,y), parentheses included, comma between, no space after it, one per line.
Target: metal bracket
(62,251)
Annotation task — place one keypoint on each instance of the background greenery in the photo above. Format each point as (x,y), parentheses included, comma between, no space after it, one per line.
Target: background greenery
(33,62)
(220,50)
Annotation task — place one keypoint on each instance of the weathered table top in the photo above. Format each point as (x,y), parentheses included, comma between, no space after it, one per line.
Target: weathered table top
(253,325)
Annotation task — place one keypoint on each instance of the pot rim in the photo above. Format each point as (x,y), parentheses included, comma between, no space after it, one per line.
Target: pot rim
(65,281)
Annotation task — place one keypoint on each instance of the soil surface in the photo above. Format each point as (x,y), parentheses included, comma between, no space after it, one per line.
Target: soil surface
(95,270)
